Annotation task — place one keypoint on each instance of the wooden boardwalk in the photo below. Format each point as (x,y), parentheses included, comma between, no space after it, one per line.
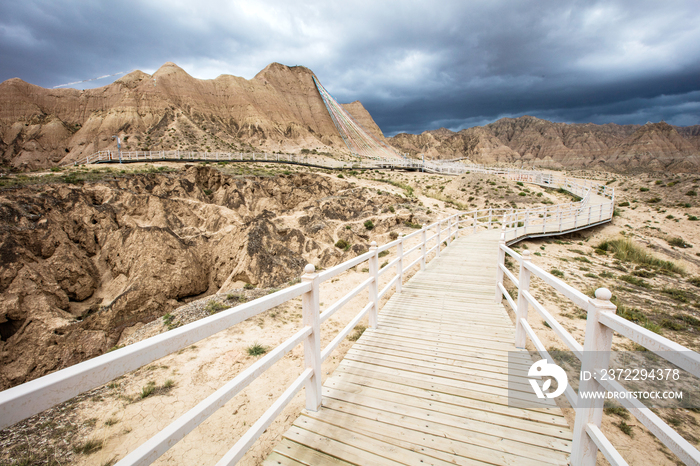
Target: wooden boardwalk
(430,384)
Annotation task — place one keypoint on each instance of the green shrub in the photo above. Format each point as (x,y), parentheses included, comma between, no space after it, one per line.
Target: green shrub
(691,193)
(694,281)
(624,204)
(249,286)
(369,225)
(644,189)
(342,244)
(557,273)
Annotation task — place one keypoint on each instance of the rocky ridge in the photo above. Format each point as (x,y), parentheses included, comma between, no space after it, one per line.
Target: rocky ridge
(530,141)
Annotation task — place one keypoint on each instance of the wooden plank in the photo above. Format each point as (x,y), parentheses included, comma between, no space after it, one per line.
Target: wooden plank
(450,419)
(449,349)
(547,417)
(275,459)
(304,455)
(446,404)
(464,362)
(447,439)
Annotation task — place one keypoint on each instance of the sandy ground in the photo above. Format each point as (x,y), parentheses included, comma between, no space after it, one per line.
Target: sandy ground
(121,420)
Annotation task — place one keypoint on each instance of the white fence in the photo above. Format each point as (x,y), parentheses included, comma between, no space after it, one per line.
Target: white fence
(33,397)
(601,323)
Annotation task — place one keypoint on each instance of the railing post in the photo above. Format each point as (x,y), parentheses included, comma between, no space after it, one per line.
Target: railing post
(475,218)
(399,266)
(374,286)
(449,230)
(311,315)
(521,310)
(526,223)
(490,210)
(423,249)
(596,357)
(501,261)
(438,237)
(560,214)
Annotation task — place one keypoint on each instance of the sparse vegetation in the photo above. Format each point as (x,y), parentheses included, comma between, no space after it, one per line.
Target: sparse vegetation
(342,244)
(88,446)
(214,306)
(256,349)
(369,225)
(359,330)
(626,250)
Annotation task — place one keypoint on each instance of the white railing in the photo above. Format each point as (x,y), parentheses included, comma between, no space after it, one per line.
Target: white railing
(594,356)
(597,205)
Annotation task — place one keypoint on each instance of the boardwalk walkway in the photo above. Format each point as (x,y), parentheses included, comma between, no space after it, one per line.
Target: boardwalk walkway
(430,385)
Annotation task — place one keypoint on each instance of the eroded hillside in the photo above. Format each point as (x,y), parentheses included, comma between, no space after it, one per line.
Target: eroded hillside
(82,262)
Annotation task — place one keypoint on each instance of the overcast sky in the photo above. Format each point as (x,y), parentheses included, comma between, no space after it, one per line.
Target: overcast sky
(415,65)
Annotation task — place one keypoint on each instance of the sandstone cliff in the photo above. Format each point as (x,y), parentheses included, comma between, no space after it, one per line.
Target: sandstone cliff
(279,109)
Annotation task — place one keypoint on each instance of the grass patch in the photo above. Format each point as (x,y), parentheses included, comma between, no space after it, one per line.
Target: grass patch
(557,273)
(213,307)
(627,250)
(147,390)
(677,294)
(679,243)
(89,446)
(256,349)
(383,254)
(359,330)
(611,408)
(636,316)
(625,428)
(634,281)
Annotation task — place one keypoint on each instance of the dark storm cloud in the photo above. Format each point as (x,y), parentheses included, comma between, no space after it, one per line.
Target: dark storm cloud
(414,65)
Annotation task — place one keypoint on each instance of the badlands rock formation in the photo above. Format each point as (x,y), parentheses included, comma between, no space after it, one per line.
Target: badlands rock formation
(80,263)
(531,141)
(279,109)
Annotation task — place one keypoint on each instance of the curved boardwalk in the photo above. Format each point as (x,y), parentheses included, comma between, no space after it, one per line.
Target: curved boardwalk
(430,384)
